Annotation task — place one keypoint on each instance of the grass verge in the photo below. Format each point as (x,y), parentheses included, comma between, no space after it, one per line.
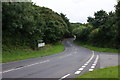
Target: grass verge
(26,53)
(109,72)
(110,50)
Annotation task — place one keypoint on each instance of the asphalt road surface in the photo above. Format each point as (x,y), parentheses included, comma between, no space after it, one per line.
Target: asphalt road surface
(74,61)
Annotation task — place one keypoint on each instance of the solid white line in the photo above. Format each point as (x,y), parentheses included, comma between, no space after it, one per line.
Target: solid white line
(82,68)
(25,66)
(96,60)
(94,64)
(77,72)
(91,57)
(93,52)
(64,76)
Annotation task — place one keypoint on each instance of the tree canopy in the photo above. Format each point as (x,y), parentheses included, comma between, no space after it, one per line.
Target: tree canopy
(25,23)
(104,30)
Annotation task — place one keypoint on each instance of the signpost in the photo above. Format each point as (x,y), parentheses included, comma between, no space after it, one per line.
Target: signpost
(41,43)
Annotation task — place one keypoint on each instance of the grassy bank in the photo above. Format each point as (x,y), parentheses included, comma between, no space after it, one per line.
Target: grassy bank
(110,50)
(109,72)
(15,54)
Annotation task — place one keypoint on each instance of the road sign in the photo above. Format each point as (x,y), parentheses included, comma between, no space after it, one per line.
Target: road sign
(41,44)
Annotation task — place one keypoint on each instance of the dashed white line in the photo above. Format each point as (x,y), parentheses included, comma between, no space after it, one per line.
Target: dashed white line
(83,66)
(81,69)
(94,64)
(64,76)
(77,72)
(91,69)
(8,70)
(25,66)
(87,62)
(65,56)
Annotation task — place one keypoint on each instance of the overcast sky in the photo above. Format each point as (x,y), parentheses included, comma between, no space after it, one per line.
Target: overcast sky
(77,10)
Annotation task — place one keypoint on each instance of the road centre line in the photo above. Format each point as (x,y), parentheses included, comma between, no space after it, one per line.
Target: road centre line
(25,66)
(65,56)
(85,64)
(82,68)
(77,72)
(94,64)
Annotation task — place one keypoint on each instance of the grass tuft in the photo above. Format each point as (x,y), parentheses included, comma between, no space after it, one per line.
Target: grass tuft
(15,54)
(109,72)
(109,50)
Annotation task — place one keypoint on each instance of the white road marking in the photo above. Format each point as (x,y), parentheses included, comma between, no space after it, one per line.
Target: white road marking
(83,66)
(25,66)
(81,69)
(64,76)
(77,72)
(91,69)
(65,56)
(8,70)
(92,66)
(93,52)
(95,62)
(88,62)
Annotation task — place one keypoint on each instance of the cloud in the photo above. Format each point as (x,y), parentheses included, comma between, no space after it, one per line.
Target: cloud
(77,10)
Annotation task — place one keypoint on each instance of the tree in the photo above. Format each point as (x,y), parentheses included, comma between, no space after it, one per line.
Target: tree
(82,32)
(26,23)
(118,25)
(99,20)
(68,32)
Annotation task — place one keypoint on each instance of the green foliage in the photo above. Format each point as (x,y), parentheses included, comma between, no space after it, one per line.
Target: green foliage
(22,53)
(25,23)
(82,32)
(96,48)
(68,32)
(109,72)
(118,25)
(104,31)
(94,35)
(99,20)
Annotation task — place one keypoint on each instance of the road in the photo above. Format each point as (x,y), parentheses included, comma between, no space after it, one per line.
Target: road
(74,61)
